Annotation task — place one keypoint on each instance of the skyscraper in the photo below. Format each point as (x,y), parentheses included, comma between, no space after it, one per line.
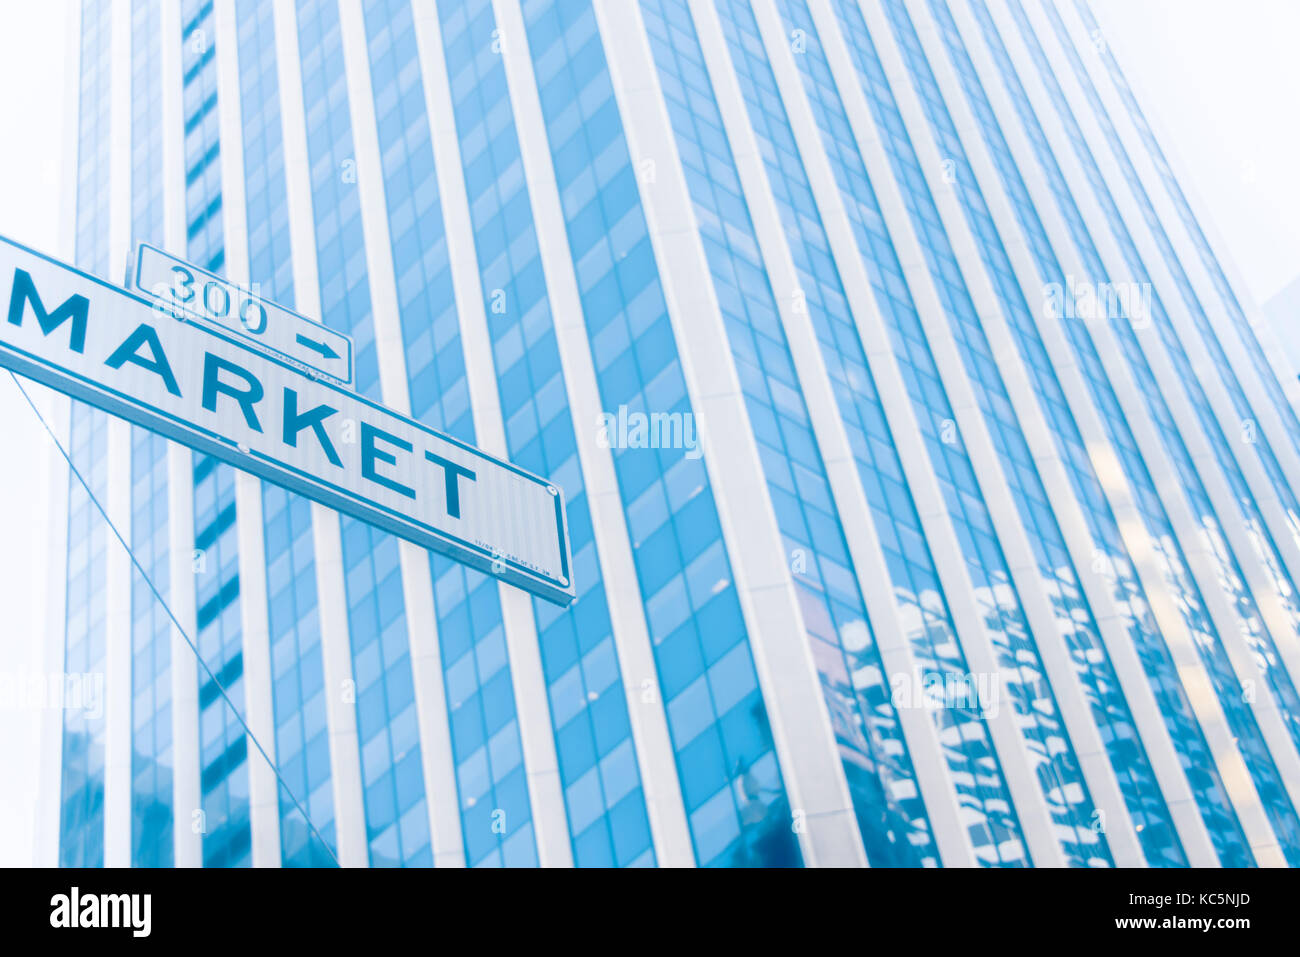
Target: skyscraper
(931,488)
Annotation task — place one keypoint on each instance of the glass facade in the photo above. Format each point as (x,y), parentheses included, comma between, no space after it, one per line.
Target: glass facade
(927,619)
(1110,711)
(1138,704)
(1209,642)
(602,787)
(731,785)
(1157,661)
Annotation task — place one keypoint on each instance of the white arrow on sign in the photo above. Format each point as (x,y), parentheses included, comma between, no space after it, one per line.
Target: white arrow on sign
(192,383)
(181,287)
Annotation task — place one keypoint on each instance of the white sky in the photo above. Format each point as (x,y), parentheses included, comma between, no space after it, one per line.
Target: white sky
(1222,77)
(32,42)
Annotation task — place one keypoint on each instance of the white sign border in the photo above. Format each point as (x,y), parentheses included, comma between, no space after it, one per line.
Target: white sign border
(182,312)
(559,591)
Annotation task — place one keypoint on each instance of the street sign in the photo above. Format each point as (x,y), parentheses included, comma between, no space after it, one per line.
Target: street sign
(183,288)
(196,384)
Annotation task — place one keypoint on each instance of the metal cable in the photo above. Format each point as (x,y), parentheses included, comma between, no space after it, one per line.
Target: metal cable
(167,608)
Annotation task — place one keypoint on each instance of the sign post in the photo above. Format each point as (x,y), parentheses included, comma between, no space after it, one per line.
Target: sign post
(202,386)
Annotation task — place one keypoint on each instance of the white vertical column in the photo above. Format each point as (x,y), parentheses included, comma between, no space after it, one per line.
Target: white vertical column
(851,504)
(656,762)
(541,764)
(801,727)
(1196,683)
(1007,739)
(1205,565)
(234,218)
(186,793)
(336,651)
(426,656)
(70,161)
(263,786)
(119,139)
(1082,729)
(187,799)
(1143,707)
(1248,547)
(119,572)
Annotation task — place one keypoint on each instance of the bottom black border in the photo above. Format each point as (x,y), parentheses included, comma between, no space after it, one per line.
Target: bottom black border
(440,908)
